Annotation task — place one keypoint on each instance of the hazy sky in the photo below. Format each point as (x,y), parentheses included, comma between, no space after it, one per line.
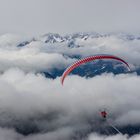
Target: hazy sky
(36,17)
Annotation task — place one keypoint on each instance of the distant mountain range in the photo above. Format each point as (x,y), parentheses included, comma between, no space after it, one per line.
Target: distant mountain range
(72,41)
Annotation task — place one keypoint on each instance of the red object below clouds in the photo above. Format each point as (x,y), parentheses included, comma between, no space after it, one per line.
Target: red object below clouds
(104,114)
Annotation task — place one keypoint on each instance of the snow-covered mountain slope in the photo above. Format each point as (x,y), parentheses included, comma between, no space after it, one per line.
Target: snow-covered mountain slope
(75,46)
(56,38)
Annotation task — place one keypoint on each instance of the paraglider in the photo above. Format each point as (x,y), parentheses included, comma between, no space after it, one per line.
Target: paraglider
(103,114)
(105,119)
(88,59)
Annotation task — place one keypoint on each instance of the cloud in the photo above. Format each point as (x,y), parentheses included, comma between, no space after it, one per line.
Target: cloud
(39,56)
(9,134)
(33,105)
(31,101)
(114,44)
(115,137)
(31,59)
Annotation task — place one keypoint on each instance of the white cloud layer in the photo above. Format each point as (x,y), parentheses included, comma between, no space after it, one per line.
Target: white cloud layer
(30,100)
(25,96)
(115,137)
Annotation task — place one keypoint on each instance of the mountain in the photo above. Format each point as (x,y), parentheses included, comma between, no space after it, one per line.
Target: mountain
(79,40)
(56,38)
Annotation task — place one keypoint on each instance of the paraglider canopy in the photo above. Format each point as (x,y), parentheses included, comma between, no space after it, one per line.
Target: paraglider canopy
(88,59)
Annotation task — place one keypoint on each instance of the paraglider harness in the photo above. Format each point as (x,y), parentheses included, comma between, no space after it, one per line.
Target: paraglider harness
(103,114)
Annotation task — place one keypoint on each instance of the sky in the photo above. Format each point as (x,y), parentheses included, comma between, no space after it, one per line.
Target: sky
(37,17)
